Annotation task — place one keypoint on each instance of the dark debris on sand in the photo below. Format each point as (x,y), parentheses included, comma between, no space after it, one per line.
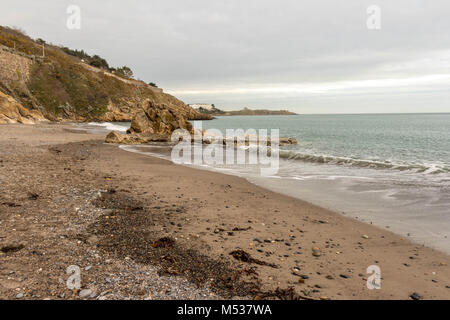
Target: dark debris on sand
(131,231)
(243,256)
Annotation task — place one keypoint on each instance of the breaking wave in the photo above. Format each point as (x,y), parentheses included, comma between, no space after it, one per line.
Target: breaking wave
(362,163)
(111,126)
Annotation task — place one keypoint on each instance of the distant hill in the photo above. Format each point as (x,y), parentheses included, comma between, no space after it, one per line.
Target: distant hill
(247,112)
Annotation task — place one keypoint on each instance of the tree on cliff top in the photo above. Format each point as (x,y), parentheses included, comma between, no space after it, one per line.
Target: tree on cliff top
(124,72)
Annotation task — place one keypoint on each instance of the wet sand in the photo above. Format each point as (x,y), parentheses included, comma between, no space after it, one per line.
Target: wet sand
(208,215)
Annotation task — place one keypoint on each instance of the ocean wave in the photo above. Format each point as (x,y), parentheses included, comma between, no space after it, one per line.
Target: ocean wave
(109,126)
(362,163)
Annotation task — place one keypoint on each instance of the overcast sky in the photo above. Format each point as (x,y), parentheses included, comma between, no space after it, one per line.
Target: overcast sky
(314,56)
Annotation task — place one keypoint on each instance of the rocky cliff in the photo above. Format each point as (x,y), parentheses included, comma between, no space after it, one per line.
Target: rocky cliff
(62,87)
(13,112)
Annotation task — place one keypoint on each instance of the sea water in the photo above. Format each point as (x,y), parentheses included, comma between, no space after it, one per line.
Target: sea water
(391,170)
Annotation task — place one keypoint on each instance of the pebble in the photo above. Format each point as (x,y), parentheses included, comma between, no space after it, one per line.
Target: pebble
(316,252)
(86,293)
(19,296)
(416,296)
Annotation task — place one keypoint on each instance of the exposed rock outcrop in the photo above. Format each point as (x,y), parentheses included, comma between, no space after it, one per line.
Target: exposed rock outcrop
(13,112)
(162,119)
(156,122)
(135,138)
(287,141)
(153,122)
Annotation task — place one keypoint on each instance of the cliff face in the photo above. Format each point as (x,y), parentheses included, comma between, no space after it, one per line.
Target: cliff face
(61,87)
(13,112)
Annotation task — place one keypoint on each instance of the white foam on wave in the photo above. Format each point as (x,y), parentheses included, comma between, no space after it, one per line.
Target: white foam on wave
(109,126)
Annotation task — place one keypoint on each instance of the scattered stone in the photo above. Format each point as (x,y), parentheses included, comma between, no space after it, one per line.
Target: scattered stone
(344,276)
(20,296)
(10,248)
(316,252)
(93,240)
(32,196)
(416,296)
(11,204)
(165,242)
(86,293)
(241,229)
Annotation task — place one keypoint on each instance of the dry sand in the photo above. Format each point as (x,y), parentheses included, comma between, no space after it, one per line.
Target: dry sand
(66,198)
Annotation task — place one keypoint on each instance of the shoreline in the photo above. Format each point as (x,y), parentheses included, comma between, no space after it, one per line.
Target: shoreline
(215,214)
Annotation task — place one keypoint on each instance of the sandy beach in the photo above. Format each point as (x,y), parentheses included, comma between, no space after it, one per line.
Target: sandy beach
(143,228)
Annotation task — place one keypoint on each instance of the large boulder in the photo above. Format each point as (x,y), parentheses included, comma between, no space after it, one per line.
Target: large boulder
(153,122)
(152,118)
(13,112)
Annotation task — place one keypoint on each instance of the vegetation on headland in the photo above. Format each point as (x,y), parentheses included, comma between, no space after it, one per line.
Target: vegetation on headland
(70,84)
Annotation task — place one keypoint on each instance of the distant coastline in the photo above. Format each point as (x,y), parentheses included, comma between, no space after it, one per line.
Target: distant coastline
(246,112)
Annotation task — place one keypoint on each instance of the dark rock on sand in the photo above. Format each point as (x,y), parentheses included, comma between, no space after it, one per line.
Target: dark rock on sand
(11,248)
(416,296)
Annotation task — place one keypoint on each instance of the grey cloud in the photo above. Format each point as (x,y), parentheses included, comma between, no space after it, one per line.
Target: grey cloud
(202,44)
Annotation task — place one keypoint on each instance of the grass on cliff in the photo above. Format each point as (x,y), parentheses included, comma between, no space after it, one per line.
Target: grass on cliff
(65,88)
(61,86)
(11,38)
